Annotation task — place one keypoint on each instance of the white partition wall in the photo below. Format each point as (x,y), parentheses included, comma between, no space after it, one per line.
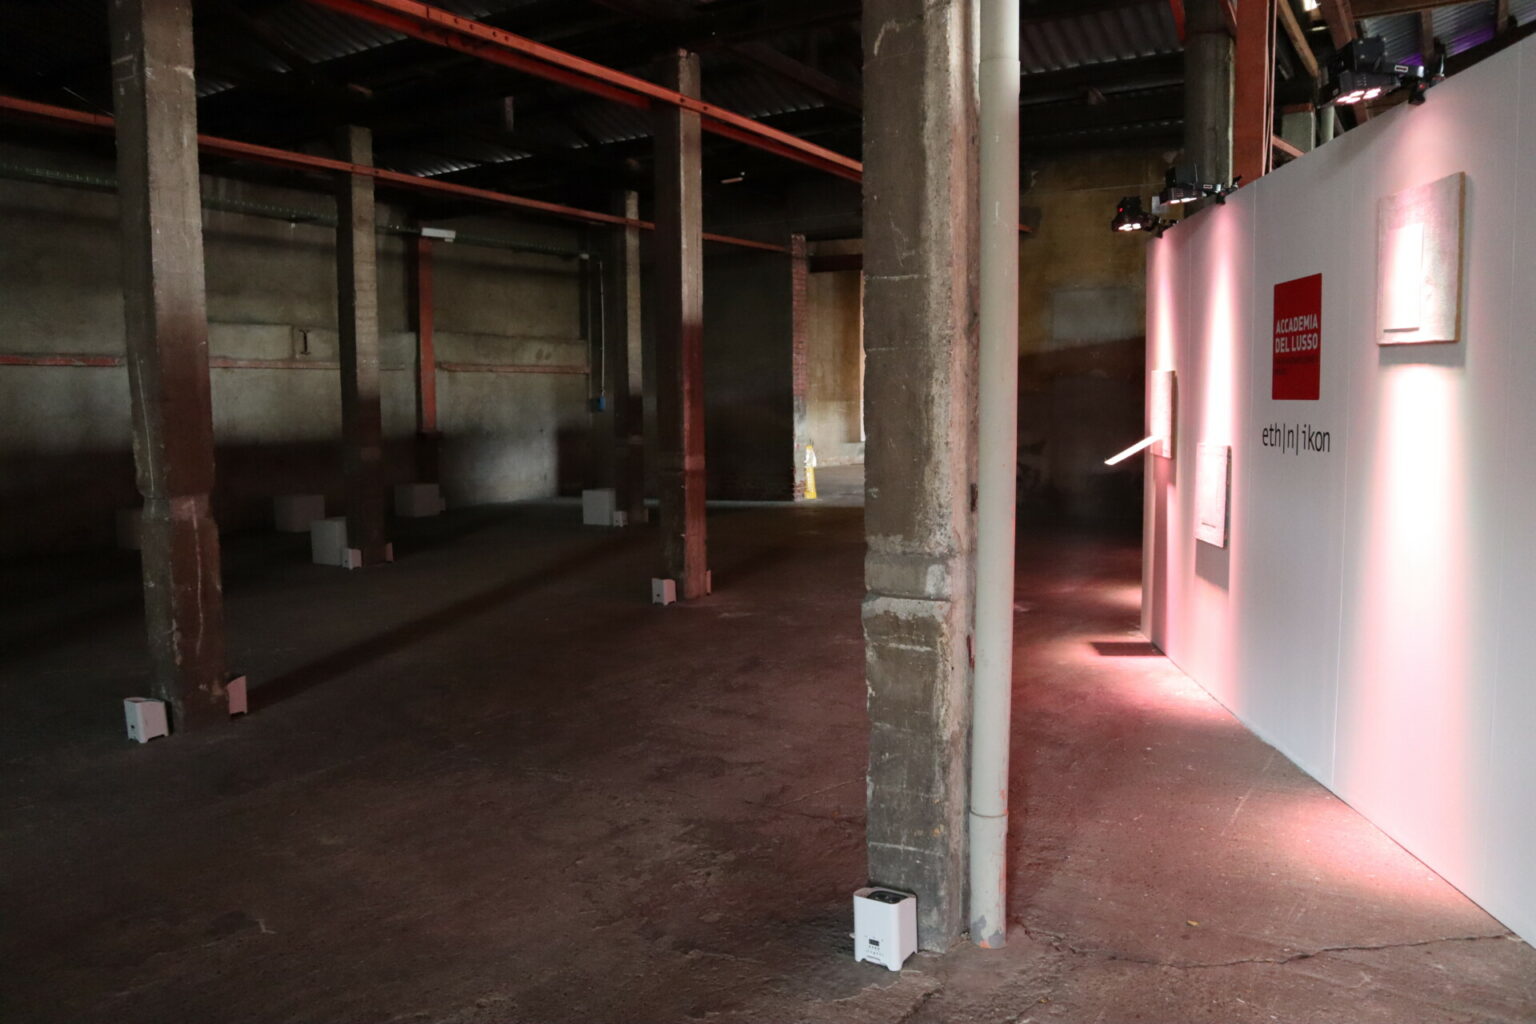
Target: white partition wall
(1373,613)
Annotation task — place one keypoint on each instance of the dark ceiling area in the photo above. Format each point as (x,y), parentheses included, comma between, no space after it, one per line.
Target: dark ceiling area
(288,73)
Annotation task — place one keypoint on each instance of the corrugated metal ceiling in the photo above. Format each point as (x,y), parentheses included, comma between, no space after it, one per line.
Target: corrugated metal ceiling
(56,36)
(1098,37)
(319,35)
(1459,26)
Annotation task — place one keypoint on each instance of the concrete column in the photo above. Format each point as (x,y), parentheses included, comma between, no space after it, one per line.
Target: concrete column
(592,313)
(166,321)
(357,293)
(920,335)
(423,313)
(678,306)
(1327,124)
(1208,89)
(622,335)
(1299,128)
(799,338)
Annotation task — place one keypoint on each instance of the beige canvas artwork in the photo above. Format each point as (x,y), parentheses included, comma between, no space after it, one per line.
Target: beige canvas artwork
(1160,413)
(1418,261)
(1213,480)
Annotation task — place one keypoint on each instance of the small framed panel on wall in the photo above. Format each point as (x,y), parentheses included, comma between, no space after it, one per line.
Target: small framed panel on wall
(1418,263)
(1160,412)
(1213,479)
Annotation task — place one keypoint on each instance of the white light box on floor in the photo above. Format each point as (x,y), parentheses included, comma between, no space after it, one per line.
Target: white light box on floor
(1370,612)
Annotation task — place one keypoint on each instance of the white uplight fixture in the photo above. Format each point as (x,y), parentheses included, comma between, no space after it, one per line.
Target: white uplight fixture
(1142,445)
(884,926)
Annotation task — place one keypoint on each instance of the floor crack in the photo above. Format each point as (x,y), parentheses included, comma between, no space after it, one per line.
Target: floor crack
(922,1001)
(1060,942)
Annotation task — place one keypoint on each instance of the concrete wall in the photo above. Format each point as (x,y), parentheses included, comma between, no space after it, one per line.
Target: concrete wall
(65,458)
(1370,613)
(748,375)
(1081,336)
(523,433)
(749,391)
(835,354)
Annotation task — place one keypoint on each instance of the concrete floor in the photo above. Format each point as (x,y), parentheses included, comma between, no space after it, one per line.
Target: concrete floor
(490,783)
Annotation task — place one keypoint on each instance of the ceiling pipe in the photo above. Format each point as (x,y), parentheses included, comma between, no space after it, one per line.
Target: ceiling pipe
(306,162)
(996,472)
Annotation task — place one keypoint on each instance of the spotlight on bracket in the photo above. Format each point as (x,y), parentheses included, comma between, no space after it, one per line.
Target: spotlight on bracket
(1182,184)
(1360,72)
(1131,215)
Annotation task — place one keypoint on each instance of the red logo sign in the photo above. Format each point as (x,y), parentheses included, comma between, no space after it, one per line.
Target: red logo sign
(1298,339)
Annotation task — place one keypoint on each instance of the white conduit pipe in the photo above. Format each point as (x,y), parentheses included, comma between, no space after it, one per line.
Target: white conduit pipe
(992,695)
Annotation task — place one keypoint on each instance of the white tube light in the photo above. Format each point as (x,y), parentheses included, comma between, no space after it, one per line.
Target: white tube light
(1144,443)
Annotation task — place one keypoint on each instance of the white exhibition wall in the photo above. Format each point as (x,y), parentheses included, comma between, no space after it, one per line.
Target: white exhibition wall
(1373,613)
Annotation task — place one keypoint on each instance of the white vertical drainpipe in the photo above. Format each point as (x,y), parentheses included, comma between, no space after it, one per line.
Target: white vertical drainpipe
(997,457)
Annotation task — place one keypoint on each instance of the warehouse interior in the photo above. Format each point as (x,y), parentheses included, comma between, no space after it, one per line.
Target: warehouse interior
(576,489)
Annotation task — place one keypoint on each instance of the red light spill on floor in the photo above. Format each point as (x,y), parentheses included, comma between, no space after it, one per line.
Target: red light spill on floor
(1126,597)
(1317,831)
(1309,832)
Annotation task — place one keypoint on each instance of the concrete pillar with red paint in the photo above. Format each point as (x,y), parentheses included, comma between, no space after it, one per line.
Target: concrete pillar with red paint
(679,311)
(166,321)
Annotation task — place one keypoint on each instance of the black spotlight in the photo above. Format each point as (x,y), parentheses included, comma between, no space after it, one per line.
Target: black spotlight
(1360,72)
(1417,80)
(1182,184)
(1130,216)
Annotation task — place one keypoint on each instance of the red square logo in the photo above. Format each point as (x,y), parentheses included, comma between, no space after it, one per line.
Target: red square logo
(1298,339)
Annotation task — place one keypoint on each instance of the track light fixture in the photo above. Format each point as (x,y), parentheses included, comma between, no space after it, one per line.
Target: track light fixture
(1131,215)
(1182,184)
(1360,72)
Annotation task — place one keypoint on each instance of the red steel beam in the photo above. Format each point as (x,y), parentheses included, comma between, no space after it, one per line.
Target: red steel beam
(435,25)
(510,368)
(1282,146)
(82,360)
(72,359)
(21,359)
(1253,84)
(306,162)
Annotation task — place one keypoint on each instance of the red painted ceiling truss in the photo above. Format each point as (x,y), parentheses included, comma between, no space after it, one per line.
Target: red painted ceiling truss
(435,25)
(307,162)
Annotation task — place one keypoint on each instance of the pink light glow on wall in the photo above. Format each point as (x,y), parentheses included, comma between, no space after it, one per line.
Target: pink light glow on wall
(1224,330)
(1216,304)
(1162,306)
(1402,745)
(1163,312)
(1372,615)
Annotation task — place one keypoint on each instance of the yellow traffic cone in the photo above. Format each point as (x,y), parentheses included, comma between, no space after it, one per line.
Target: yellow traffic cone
(810,472)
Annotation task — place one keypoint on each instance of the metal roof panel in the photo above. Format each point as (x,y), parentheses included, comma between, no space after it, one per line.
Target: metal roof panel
(1098,37)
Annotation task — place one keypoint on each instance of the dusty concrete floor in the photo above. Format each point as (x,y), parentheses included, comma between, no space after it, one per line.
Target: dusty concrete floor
(490,783)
